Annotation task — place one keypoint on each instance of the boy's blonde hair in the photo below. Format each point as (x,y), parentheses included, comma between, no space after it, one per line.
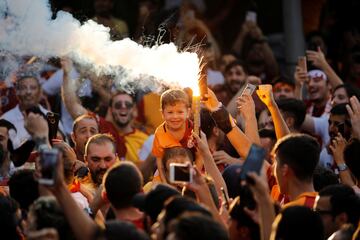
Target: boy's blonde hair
(173,96)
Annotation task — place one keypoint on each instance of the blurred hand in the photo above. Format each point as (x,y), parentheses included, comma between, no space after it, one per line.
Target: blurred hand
(212,103)
(198,185)
(36,125)
(317,58)
(337,147)
(301,76)
(221,157)
(201,143)
(66,65)
(43,234)
(354,113)
(246,106)
(254,80)
(259,186)
(68,152)
(265,94)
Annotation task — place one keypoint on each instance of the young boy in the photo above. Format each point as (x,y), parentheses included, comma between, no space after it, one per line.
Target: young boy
(176,129)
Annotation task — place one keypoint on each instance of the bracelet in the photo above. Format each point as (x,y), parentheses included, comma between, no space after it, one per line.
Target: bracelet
(342,167)
(222,119)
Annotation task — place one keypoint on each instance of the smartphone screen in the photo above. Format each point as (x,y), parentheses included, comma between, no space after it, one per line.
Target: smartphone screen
(250,88)
(251,16)
(253,162)
(53,123)
(48,162)
(180,173)
(302,63)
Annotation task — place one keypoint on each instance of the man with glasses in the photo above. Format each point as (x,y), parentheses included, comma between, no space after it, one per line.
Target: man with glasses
(119,122)
(337,205)
(123,110)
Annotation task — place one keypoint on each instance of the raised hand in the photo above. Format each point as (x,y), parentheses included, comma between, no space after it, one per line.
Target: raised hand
(354,113)
(246,105)
(337,147)
(317,58)
(301,76)
(266,95)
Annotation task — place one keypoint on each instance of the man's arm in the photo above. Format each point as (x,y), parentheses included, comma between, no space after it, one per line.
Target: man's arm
(318,59)
(68,92)
(227,124)
(246,107)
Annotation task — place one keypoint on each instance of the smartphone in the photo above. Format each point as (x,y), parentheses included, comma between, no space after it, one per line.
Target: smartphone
(251,16)
(253,162)
(48,163)
(302,63)
(53,123)
(225,198)
(181,173)
(249,88)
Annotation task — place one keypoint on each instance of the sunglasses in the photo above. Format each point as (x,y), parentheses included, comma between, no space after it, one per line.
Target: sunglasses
(123,104)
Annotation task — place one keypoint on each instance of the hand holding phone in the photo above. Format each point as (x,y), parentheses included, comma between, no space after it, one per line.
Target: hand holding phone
(253,162)
(181,173)
(251,16)
(249,88)
(48,165)
(302,63)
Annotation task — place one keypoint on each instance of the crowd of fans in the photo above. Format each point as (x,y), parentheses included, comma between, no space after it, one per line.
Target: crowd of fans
(280,163)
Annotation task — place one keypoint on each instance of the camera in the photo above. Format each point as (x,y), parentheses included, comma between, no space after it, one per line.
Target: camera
(180,173)
(48,164)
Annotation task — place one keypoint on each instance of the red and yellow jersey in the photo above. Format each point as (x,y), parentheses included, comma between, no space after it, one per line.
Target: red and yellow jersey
(306,199)
(164,139)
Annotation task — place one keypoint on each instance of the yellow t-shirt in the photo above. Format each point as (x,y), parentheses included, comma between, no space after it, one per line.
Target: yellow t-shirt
(133,143)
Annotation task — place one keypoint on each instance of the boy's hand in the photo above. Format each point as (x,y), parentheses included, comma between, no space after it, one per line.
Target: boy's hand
(212,103)
(266,95)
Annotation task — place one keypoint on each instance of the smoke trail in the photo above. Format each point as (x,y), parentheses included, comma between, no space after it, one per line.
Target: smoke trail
(26,28)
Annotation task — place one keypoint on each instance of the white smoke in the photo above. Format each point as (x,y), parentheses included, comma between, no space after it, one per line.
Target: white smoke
(26,28)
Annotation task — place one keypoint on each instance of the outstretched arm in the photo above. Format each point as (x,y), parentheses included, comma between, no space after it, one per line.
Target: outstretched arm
(266,95)
(68,92)
(227,124)
(318,59)
(246,107)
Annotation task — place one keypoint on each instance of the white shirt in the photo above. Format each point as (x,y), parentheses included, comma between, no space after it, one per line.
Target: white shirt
(17,119)
(321,126)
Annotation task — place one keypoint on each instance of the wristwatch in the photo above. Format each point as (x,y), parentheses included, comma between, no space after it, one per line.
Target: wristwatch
(342,167)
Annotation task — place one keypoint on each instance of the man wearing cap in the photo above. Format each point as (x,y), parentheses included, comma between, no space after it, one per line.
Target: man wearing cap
(318,88)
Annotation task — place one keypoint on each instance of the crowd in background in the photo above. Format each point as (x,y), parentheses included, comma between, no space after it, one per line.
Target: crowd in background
(115,147)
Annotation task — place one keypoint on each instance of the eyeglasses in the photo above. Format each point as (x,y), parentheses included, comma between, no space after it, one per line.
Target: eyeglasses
(123,104)
(323,212)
